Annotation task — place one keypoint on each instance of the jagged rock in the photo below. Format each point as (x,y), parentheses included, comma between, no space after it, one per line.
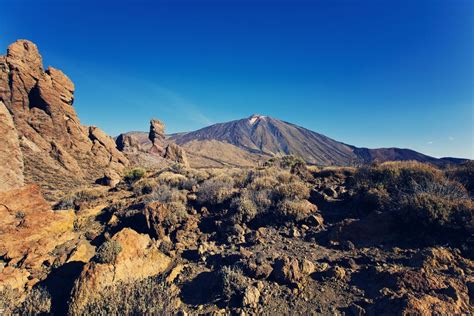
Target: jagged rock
(287,270)
(157,136)
(128,143)
(176,153)
(11,158)
(58,152)
(138,259)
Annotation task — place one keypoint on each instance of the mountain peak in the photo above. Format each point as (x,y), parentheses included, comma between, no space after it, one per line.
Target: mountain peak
(255,117)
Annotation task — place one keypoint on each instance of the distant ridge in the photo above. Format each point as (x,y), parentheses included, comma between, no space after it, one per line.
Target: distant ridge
(265,136)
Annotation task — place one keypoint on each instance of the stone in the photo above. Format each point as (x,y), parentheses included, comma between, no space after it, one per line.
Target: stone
(251,297)
(58,153)
(287,270)
(157,136)
(176,153)
(139,258)
(11,157)
(30,232)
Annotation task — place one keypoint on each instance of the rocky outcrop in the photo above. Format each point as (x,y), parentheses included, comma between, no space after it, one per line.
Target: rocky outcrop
(58,152)
(30,232)
(176,153)
(138,259)
(11,158)
(157,136)
(152,149)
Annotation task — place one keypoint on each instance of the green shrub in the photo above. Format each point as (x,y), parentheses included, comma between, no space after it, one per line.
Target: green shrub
(232,282)
(108,251)
(134,175)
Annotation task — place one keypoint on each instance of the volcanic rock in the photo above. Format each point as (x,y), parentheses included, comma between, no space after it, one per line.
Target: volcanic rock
(58,152)
(139,258)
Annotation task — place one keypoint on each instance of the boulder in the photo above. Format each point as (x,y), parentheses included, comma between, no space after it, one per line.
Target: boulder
(138,259)
(176,153)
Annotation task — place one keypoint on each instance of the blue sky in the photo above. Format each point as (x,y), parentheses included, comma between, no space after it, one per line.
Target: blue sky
(368,73)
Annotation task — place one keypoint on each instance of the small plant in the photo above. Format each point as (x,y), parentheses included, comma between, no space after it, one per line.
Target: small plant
(134,175)
(216,190)
(20,215)
(37,302)
(108,251)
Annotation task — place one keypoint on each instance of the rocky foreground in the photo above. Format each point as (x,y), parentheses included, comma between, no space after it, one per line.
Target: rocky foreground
(280,239)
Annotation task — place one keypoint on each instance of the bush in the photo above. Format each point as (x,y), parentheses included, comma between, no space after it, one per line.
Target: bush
(431,211)
(151,296)
(419,194)
(464,174)
(37,302)
(232,282)
(134,175)
(295,210)
(293,190)
(143,186)
(165,194)
(215,190)
(73,200)
(108,252)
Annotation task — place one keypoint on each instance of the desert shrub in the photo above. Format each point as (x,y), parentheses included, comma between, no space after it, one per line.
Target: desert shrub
(151,296)
(165,194)
(292,190)
(334,172)
(143,186)
(134,174)
(419,194)
(464,174)
(294,210)
(37,302)
(431,211)
(172,179)
(177,213)
(232,282)
(108,251)
(8,299)
(72,200)
(215,190)
(261,183)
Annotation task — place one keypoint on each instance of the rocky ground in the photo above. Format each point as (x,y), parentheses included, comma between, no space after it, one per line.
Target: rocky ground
(181,240)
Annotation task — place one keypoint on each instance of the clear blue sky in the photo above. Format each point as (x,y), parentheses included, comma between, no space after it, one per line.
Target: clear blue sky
(369,73)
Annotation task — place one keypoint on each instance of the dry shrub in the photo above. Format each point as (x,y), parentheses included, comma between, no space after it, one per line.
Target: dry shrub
(37,302)
(172,179)
(294,210)
(108,252)
(151,296)
(464,174)
(232,282)
(144,186)
(165,194)
(133,175)
(216,190)
(292,190)
(419,193)
(72,200)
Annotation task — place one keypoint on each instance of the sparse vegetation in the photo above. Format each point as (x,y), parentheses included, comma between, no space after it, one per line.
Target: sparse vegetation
(134,174)
(108,252)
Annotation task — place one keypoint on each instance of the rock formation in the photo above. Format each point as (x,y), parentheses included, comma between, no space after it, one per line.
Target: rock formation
(57,151)
(138,258)
(151,149)
(157,136)
(11,159)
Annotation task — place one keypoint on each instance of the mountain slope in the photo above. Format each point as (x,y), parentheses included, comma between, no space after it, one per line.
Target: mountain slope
(267,136)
